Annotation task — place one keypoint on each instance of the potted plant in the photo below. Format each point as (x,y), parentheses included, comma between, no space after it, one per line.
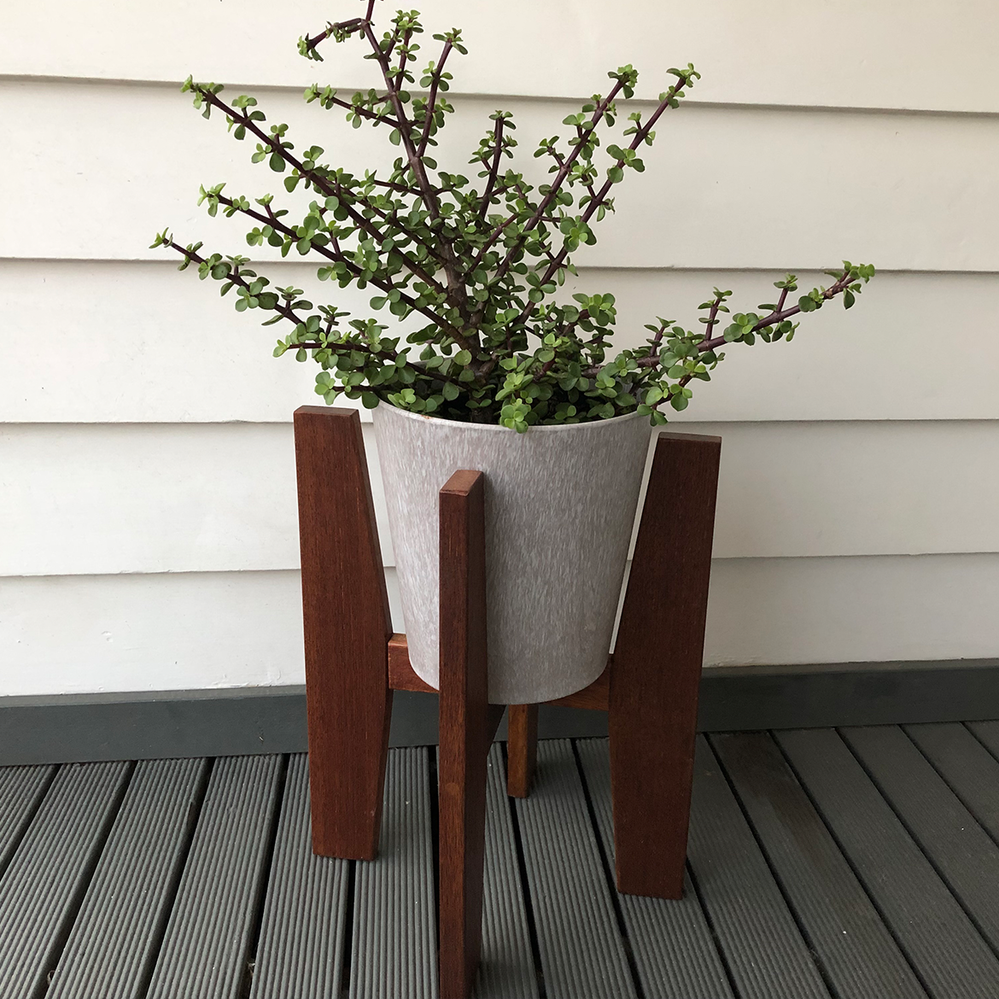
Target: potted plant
(498,371)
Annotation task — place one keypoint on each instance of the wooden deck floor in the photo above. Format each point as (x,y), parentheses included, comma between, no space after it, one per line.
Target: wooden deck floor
(856,863)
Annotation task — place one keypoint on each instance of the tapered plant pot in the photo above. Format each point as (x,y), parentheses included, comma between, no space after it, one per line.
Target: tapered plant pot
(560,507)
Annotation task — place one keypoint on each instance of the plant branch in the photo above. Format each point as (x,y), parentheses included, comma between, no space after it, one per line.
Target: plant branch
(493,172)
(342,27)
(318,180)
(556,184)
(404,57)
(405,132)
(713,314)
(454,283)
(428,119)
(338,256)
(363,112)
(595,203)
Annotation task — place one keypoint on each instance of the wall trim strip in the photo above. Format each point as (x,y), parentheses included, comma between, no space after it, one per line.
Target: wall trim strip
(241,721)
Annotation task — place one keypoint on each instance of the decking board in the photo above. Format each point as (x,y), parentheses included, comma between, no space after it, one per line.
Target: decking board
(21,792)
(674,951)
(817,868)
(394,942)
(939,940)
(206,947)
(114,937)
(961,851)
(50,870)
(582,953)
(969,769)
(766,955)
(506,968)
(858,954)
(300,949)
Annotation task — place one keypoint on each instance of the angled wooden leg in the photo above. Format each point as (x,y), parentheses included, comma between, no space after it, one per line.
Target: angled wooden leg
(467,725)
(347,628)
(521,748)
(657,667)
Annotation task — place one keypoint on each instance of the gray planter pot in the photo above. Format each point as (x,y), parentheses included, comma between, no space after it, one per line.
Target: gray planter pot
(560,507)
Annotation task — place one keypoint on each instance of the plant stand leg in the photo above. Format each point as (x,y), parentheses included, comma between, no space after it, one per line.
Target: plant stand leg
(657,667)
(521,748)
(347,628)
(467,725)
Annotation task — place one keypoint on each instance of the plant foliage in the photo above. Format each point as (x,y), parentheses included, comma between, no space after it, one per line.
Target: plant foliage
(478,262)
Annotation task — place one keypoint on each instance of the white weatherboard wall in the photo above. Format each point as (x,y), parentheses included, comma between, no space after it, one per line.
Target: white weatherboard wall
(148,531)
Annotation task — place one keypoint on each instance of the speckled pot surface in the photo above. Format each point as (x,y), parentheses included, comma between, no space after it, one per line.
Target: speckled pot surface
(560,506)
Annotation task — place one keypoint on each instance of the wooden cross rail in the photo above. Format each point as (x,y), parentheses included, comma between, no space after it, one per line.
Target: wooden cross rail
(353,663)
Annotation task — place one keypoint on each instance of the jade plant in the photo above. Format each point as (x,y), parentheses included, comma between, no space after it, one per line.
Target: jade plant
(476,266)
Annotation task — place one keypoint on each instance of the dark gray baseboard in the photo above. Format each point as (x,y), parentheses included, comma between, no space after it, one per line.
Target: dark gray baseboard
(240,721)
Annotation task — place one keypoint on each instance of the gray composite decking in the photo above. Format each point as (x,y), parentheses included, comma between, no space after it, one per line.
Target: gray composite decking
(858,863)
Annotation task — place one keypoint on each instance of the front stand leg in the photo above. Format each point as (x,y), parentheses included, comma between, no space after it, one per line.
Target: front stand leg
(657,667)
(347,627)
(467,725)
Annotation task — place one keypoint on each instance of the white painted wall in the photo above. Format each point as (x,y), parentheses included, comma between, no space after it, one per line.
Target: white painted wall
(147,506)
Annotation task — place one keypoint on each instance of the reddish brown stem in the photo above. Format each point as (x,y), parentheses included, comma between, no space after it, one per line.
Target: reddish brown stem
(556,184)
(428,120)
(493,172)
(594,204)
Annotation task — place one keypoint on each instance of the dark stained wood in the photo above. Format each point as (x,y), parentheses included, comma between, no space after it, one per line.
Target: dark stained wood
(595,697)
(402,676)
(521,748)
(347,627)
(467,725)
(657,667)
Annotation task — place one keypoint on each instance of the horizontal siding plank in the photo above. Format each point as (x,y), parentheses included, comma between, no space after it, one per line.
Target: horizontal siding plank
(206,944)
(92,499)
(863,54)
(154,498)
(725,214)
(932,929)
(193,359)
(234,629)
(115,936)
(42,888)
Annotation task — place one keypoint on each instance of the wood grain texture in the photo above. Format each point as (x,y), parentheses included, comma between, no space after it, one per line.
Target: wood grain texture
(521,748)
(347,627)
(657,667)
(402,676)
(467,725)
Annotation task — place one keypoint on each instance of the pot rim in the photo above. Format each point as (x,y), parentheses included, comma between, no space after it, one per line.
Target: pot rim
(495,426)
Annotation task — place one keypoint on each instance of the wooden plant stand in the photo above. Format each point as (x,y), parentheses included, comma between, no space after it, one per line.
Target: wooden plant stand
(353,663)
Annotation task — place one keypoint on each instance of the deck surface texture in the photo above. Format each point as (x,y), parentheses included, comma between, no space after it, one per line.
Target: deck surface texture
(823,864)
